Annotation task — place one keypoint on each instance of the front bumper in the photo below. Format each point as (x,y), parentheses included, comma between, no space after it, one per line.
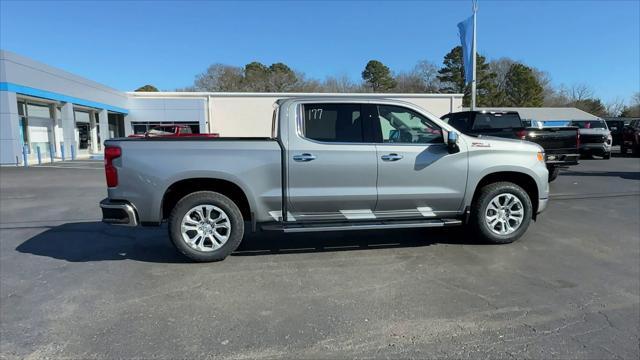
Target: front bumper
(118,212)
(595,149)
(562,159)
(542,205)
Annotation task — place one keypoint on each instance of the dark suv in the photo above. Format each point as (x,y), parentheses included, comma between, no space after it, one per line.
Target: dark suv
(631,138)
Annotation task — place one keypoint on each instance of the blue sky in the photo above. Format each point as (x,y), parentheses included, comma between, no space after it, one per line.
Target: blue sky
(166,43)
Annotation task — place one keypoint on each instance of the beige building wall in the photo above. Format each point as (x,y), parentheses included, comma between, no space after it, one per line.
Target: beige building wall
(242,116)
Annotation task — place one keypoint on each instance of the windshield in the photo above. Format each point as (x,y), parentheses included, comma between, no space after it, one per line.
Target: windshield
(589,124)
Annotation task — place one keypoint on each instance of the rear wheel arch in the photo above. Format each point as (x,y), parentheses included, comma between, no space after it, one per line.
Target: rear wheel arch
(182,188)
(523,180)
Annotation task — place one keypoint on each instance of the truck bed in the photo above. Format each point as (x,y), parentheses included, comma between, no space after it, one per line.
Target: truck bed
(148,167)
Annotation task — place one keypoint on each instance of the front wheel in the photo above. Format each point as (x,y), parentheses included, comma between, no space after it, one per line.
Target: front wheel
(206,226)
(501,213)
(607,156)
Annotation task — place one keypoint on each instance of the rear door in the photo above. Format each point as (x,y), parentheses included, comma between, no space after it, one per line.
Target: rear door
(417,177)
(332,167)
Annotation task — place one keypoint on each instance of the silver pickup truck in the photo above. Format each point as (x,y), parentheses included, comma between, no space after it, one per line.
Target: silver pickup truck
(329,165)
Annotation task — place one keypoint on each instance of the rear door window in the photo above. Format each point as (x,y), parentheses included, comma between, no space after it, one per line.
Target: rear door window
(333,122)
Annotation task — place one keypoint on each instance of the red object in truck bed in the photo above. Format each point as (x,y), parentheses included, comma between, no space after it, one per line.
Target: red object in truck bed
(172,131)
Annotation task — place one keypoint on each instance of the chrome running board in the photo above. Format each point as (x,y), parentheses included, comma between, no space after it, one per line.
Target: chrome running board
(369,225)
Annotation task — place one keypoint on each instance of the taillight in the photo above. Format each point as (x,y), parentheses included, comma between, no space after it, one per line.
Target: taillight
(578,140)
(521,134)
(111,153)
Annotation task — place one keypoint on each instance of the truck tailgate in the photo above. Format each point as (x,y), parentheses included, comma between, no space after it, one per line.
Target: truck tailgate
(555,140)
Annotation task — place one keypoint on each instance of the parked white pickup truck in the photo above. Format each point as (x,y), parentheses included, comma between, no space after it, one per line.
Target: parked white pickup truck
(330,164)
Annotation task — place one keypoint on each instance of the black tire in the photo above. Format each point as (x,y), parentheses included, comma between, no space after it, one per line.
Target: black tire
(478,208)
(206,198)
(606,156)
(553,173)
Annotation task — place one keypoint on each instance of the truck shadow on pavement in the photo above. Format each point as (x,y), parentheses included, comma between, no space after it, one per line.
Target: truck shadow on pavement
(263,243)
(95,241)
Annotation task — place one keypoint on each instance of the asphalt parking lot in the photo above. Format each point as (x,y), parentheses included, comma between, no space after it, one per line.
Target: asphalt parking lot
(73,287)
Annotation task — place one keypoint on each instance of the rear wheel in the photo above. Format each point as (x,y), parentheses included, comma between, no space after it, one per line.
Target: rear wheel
(501,213)
(606,156)
(206,226)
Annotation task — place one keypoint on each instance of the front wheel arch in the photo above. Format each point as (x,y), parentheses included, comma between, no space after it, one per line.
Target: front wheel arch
(523,180)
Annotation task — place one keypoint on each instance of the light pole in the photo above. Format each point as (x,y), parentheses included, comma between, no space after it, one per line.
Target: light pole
(473,58)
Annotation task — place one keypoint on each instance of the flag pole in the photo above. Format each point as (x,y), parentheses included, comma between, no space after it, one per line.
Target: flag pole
(473,58)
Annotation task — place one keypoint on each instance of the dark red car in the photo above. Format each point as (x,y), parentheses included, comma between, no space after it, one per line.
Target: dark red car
(631,138)
(172,131)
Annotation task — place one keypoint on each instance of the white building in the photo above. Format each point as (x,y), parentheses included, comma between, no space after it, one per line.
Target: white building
(59,113)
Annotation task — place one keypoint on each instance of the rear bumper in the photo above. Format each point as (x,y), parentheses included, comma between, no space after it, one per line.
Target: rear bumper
(118,212)
(542,205)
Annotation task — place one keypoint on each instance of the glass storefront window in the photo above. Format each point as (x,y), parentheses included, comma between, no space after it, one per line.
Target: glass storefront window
(82,116)
(37,110)
(23,130)
(36,127)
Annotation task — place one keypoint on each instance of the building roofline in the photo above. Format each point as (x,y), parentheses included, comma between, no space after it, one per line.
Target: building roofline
(165,94)
(36,65)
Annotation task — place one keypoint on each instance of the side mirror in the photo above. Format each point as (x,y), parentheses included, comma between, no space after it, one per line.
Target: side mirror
(452,142)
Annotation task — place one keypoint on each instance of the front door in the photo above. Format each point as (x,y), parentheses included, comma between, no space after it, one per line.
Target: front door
(332,170)
(417,177)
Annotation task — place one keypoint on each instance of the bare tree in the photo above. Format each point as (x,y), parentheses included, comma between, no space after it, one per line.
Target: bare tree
(615,107)
(306,85)
(501,67)
(580,92)
(340,84)
(428,73)
(632,110)
(219,77)
(409,82)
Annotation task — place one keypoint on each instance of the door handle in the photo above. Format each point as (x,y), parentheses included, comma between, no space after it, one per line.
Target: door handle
(392,157)
(304,157)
